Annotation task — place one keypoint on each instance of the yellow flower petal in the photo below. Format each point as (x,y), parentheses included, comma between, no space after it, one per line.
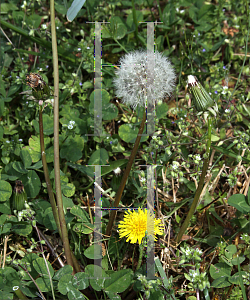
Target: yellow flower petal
(134,226)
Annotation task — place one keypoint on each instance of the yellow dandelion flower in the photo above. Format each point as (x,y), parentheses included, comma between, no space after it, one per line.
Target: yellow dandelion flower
(134,226)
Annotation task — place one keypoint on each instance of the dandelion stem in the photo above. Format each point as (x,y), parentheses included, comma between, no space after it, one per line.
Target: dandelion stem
(200,185)
(125,176)
(65,238)
(141,248)
(46,172)
(20,295)
(49,186)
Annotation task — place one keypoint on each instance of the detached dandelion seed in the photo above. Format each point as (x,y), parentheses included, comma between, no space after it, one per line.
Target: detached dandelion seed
(134,226)
(133,82)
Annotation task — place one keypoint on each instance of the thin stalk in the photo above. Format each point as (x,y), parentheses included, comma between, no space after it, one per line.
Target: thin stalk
(65,238)
(125,176)
(135,21)
(200,185)
(141,250)
(26,270)
(20,294)
(46,263)
(49,186)
(46,172)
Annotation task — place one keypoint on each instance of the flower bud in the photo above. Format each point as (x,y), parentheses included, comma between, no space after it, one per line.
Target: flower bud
(19,196)
(202,100)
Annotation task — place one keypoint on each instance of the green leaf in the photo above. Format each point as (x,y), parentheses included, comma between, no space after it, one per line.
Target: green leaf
(44,284)
(2,87)
(68,190)
(4,8)
(5,191)
(1,132)
(217,45)
(66,270)
(6,228)
(6,295)
(90,252)
(239,201)
(5,207)
(130,18)
(32,183)
(18,166)
(230,251)
(235,279)
(248,197)
(221,282)
(48,219)
(64,54)
(40,266)
(80,281)
(34,147)
(61,9)
(161,110)
(33,20)
(113,296)
(48,125)
(1,107)
(95,272)
(26,158)
(119,281)
(220,270)
(65,284)
(99,157)
(235,260)
(80,213)
(109,110)
(83,228)
(21,228)
(229,153)
(113,165)
(72,148)
(12,90)
(85,170)
(129,132)
(74,294)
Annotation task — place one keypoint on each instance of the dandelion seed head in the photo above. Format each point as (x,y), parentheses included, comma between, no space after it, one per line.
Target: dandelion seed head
(142,76)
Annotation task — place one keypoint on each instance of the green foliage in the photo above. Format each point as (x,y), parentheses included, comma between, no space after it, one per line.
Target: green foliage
(204,39)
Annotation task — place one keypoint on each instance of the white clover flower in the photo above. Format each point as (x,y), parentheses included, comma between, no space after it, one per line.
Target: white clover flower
(70,126)
(72,122)
(134,83)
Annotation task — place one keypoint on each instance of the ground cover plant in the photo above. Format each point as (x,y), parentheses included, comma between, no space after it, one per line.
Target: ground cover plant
(167,149)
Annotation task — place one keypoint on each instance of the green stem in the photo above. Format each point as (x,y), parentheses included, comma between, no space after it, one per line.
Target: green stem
(125,176)
(21,295)
(65,238)
(200,185)
(49,186)
(141,248)
(46,172)
(135,21)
